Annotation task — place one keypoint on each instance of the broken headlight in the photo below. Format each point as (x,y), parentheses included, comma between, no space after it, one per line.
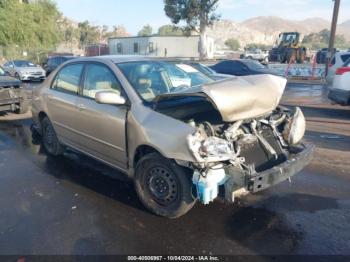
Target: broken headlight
(294,129)
(209,149)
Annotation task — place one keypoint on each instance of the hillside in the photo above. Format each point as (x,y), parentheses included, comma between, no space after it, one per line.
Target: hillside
(265,29)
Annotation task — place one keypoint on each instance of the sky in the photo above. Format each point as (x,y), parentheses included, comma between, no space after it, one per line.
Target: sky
(133,14)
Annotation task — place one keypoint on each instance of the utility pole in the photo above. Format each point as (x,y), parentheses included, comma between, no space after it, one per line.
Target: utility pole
(333,31)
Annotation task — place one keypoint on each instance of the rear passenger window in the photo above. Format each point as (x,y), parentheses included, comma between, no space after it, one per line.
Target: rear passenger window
(68,79)
(99,78)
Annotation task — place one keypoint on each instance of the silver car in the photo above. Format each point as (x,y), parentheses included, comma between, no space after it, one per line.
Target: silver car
(179,143)
(25,70)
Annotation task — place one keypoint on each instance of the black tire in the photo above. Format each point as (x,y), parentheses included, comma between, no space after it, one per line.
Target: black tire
(163,187)
(49,138)
(17,76)
(302,56)
(24,104)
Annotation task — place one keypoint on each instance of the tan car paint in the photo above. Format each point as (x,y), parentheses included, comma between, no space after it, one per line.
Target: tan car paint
(99,130)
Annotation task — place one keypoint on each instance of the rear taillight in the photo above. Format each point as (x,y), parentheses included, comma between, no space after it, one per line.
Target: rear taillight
(342,70)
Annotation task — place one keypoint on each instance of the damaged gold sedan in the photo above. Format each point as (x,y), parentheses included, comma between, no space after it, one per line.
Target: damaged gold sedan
(181,136)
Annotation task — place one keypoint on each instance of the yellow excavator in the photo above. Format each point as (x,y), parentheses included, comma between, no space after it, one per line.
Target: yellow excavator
(288,49)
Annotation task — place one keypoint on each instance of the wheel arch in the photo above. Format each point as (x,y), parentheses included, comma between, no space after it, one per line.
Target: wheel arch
(42,115)
(143,150)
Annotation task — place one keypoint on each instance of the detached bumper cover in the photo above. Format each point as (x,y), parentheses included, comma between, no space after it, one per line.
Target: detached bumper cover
(256,182)
(339,96)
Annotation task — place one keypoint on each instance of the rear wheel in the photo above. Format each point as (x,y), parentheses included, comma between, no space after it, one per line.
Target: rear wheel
(164,187)
(49,138)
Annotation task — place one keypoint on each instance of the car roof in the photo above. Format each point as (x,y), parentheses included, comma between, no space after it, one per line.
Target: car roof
(63,56)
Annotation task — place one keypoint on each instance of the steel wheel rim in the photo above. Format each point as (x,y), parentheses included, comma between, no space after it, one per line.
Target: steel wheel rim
(162,185)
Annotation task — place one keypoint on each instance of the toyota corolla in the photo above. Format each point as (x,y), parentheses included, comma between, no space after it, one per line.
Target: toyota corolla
(179,143)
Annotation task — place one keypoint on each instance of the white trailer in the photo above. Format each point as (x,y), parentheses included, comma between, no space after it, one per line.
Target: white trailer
(160,46)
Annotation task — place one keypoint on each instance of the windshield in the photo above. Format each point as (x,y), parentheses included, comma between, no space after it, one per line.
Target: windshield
(153,78)
(2,72)
(254,65)
(288,37)
(23,63)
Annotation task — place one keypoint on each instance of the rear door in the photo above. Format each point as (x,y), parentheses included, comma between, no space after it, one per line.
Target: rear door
(61,99)
(101,126)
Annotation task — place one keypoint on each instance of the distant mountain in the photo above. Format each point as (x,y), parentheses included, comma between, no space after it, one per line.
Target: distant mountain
(346,23)
(344,29)
(265,29)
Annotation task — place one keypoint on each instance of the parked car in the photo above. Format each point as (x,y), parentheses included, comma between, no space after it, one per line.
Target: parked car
(340,90)
(208,71)
(54,61)
(337,61)
(24,70)
(178,144)
(241,67)
(12,96)
(256,54)
(321,55)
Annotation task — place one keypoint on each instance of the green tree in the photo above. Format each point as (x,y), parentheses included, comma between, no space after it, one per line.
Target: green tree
(167,30)
(232,44)
(29,25)
(197,16)
(321,40)
(88,34)
(118,31)
(146,30)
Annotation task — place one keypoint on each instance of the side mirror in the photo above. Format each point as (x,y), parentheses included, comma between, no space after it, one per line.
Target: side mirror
(110,98)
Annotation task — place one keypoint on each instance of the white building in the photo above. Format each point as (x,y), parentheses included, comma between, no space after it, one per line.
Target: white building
(160,46)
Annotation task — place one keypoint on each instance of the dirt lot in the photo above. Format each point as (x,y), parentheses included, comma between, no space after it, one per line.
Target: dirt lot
(71,205)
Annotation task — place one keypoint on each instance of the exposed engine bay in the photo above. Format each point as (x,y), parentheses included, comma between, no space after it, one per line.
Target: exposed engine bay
(250,146)
(243,139)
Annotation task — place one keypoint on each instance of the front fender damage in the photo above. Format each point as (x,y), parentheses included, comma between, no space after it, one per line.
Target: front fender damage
(243,156)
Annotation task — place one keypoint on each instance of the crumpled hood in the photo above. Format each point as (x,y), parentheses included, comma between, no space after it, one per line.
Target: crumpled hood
(7,81)
(240,98)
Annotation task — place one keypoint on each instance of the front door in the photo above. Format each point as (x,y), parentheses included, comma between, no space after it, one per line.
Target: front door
(101,126)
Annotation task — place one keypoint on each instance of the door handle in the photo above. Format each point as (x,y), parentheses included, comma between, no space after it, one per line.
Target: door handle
(81,107)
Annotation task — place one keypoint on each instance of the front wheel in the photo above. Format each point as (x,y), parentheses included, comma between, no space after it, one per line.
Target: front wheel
(164,187)
(50,141)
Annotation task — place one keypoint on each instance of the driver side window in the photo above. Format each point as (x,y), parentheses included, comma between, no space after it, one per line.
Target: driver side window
(99,78)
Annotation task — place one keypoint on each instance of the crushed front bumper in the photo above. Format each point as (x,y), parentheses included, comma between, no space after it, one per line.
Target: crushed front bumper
(254,182)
